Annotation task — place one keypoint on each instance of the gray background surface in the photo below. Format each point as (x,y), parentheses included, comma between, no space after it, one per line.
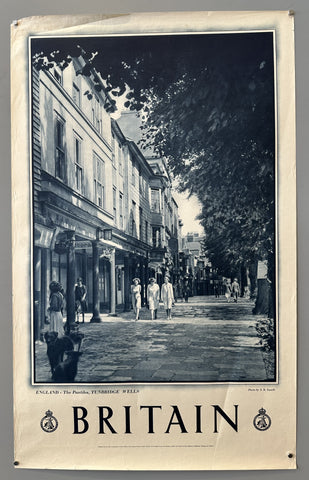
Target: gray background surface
(14,9)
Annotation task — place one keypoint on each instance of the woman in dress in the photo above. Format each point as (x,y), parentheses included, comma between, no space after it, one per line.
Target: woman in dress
(136,296)
(153,296)
(55,308)
(167,297)
(228,290)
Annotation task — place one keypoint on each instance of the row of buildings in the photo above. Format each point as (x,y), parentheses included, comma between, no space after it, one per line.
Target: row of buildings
(102,210)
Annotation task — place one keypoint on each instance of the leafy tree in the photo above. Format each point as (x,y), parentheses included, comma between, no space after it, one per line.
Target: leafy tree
(207,105)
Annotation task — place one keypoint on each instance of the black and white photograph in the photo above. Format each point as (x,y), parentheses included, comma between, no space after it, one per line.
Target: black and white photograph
(154,241)
(153,175)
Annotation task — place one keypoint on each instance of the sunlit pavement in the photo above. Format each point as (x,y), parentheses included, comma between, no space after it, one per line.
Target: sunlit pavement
(207,340)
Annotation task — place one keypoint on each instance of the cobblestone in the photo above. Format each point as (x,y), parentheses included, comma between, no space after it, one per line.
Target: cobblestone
(207,340)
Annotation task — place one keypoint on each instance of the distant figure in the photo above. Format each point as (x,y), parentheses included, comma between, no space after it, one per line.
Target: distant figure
(55,308)
(180,289)
(247,291)
(80,299)
(228,290)
(235,289)
(186,290)
(167,297)
(216,289)
(136,297)
(153,296)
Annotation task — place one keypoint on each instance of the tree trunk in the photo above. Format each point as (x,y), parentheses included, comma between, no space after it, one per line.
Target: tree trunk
(262,299)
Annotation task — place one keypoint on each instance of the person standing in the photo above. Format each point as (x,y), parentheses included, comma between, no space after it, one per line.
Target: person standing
(228,290)
(235,289)
(55,308)
(153,296)
(167,297)
(80,299)
(216,289)
(186,290)
(136,297)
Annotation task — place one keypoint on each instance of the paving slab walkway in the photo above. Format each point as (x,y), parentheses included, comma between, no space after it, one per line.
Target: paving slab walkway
(207,340)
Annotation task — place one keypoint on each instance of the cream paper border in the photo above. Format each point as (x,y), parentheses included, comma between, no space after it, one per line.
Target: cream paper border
(247,449)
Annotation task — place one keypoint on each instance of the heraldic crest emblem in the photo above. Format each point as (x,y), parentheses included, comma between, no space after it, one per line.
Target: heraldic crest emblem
(262,421)
(49,423)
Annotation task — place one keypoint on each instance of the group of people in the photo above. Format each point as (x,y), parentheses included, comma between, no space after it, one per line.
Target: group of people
(232,290)
(153,297)
(57,297)
(57,301)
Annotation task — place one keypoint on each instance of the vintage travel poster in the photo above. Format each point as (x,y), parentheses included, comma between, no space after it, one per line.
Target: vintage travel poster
(154,241)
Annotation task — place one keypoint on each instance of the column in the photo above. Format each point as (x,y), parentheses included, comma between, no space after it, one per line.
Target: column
(70,293)
(113,283)
(95,283)
(127,283)
(45,276)
(84,266)
(143,282)
(37,292)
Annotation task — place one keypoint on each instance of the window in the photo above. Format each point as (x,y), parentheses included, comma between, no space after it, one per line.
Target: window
(155,200)
(146,231)
(76,94)
(59,149)
(140,180)
(120,210)
(78,166)
(98,181)
(113,148)
(96,114)
(115,204)
(120,159)
(58,75)
(133,216)
(133,173)
(156,237)
(140,223)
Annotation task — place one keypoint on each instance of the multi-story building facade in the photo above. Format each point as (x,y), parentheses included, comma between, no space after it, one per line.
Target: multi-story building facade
(164,224)
(194,264)
(91,197)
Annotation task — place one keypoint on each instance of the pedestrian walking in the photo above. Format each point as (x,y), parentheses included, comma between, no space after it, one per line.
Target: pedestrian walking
(180,289)
(186,290)
(167,297)
(235,289)
(136,296)
(228,290)
(216,289)
(153,296)
(80,299)
(55,308)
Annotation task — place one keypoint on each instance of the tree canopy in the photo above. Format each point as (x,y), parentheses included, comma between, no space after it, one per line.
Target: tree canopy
(207,104)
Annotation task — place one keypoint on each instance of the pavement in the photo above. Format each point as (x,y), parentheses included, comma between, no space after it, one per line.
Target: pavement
(207,340)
